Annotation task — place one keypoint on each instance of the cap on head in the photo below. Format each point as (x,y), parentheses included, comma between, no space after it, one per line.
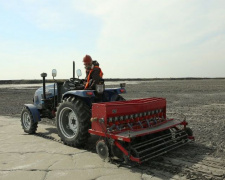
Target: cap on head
(87,60)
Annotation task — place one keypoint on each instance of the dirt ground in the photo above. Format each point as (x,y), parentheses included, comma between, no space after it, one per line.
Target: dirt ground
(201,101)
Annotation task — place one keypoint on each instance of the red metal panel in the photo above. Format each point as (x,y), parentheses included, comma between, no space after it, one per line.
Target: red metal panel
(118,108)
(104,111)
(99,111)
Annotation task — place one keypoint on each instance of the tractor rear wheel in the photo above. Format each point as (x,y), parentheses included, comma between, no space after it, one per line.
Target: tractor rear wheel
(27,121)
(73,121)
(120,98)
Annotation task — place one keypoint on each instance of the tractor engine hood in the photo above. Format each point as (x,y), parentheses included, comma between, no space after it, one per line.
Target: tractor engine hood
(38,95)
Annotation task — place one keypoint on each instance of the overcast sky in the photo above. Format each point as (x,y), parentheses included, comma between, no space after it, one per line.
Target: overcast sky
(129,38)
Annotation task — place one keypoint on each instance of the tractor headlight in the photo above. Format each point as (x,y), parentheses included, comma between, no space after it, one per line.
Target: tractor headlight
(100,88)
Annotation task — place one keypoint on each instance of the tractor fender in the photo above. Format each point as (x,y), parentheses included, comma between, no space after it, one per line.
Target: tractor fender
(113,93)
(34,111)
(114,97)
(116,90)
(85,95)
(80,93)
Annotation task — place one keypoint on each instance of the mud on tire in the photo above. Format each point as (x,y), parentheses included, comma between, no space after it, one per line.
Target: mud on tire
(73,121)
(27,121)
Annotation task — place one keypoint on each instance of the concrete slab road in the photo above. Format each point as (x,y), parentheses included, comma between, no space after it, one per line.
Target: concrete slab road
(30,157)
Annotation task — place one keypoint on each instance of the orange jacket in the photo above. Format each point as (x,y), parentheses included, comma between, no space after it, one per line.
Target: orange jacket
(93,77)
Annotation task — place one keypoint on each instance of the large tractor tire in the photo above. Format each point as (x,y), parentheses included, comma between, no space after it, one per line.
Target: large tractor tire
(73,121)
(27,121)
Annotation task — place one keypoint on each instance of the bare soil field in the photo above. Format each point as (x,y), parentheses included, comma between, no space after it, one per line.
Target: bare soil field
(201,101)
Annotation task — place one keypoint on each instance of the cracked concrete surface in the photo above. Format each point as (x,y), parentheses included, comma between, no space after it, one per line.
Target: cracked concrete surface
(28,157)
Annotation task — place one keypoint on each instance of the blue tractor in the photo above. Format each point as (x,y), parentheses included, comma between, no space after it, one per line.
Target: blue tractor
(69,104)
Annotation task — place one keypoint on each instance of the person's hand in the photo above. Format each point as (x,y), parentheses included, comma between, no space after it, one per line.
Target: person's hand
(84,82)
(89,88)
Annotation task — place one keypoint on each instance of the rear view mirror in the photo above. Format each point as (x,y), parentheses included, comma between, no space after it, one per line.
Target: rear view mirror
(54,73)
(79,73)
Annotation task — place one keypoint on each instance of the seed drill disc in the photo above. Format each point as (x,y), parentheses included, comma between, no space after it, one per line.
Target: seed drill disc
(102,149)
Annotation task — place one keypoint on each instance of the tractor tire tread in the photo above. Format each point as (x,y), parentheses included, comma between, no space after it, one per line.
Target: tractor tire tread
(84,115)
(34,125)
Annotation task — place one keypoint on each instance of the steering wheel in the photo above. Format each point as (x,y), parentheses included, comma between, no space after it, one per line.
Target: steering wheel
(73,80)
(76,83)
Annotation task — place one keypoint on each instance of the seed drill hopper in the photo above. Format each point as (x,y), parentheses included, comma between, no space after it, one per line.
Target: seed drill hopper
(137,130)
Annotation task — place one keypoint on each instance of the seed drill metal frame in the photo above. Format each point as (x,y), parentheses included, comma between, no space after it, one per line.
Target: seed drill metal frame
(125,121)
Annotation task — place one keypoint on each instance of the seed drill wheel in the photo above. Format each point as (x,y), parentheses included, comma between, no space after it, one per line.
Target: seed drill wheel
(73,121)
(27,121)
(189,131)
(102,149)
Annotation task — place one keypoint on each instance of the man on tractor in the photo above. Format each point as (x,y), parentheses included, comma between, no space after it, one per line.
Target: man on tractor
(94,73)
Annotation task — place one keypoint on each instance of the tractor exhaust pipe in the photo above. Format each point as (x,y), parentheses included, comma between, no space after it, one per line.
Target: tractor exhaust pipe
(43,75)
(73,70)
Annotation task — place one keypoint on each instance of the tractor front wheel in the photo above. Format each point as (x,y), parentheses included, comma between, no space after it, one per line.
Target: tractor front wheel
(73,121)
(27,121)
